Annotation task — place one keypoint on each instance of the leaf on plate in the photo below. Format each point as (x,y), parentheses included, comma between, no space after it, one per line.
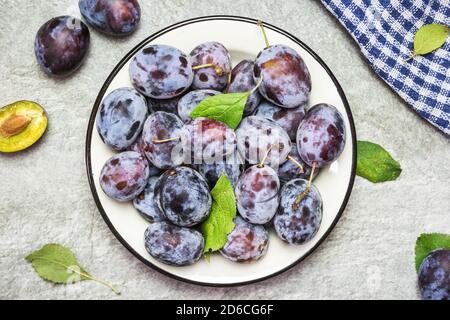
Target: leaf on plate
(376,164)
(56,263)
(227,108)
(429,38)
(220,221)
(428,242)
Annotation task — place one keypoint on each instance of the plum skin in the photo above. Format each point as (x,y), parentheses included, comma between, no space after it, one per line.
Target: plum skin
(161,72)
(117,17)
(61,45)
(184,197)
(174,245)
(298,225)
(246,243)
(121,118)
(434,275)
(321,135)
(286,78)
(145,203)
(257,194)
(124,176)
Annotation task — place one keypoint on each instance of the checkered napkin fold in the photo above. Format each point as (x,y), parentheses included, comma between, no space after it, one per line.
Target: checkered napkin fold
(385,29)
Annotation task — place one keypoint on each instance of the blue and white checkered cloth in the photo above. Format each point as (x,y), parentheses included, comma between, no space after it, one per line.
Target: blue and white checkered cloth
(385,29)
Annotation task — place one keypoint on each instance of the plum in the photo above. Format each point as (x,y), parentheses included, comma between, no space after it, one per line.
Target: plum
(121,118)
(145,204)
(291,170)
(297,223)
(161,72)
(113,17)
(184,197)
(190,100)
(434,275)
(124,176)
(286,80)
(61,45)
(246,243)
(174,245)
(22,124)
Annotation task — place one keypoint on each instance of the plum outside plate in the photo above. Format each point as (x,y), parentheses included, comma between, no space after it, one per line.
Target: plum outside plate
(244,40)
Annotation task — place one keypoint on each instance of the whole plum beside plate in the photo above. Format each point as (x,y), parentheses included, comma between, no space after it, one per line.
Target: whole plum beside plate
(113,17)
(321,135)
(246,243)
(61,45)
(297,224)
(286,79)
(161,72)
(174,245)
(242,80)
(121,118)
(217,61)
(434,275)
(184,197)
(124,176)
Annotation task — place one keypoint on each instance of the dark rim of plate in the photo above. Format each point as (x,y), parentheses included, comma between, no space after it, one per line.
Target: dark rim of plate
(108,81)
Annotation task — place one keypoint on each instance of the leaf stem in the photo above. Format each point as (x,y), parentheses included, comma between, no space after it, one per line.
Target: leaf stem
(298,164)
(302,195)
(411,57)
(266,40)
(107,284)
(257,86)
(165,140)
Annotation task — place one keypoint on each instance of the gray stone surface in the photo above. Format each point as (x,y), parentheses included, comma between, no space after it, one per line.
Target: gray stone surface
(45,197)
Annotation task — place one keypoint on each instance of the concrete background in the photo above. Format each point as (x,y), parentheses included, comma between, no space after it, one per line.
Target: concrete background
(45,197)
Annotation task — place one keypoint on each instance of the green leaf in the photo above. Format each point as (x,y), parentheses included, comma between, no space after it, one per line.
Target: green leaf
(428,242)
(223,211)
(376,164)
(227,108)
(429,38)
(56,263)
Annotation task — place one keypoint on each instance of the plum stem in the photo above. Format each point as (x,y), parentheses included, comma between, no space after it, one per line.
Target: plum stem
(261,164)
(266,40)
(217,69)
(298,164)
(302,195)
(165,140)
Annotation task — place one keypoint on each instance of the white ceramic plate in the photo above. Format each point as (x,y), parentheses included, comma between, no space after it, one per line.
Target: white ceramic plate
(244,40)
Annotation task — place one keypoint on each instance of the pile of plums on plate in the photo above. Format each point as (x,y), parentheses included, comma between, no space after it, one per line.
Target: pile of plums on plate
(164,162)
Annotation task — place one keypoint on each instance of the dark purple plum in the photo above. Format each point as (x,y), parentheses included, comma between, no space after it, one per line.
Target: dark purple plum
(184,197)
(207,141)
(321,135)
(173,245)
(113,17)
(258,137)
(161,72)
(61,45)
(242,80)
(121,118)
(216,77)
(434,275)
(286,78)
(290,170)
(246,243)
(257,194)
(139,147)
(212,172)
(190,100)
(160,126)
(166,105)
(298,224)
(145,204)
(124,176)
(288,119)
